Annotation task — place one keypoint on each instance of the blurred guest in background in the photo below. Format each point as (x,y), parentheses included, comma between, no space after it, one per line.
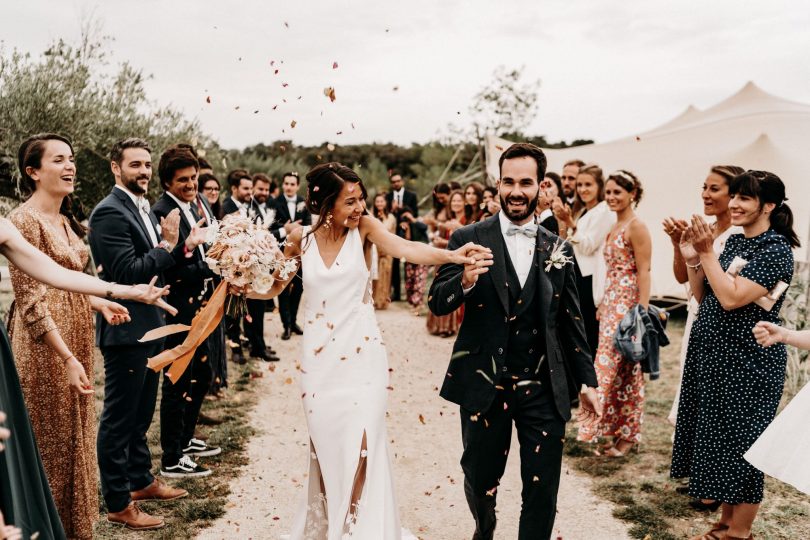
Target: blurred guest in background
(473,197)
(550,190)
(586,226)
(381,286)
(209,189)
(400,200)
(291,213)
(490,202)
(455,218)
(569,180)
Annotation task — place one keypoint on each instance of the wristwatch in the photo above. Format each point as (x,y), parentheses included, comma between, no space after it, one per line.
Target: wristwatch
(163,244)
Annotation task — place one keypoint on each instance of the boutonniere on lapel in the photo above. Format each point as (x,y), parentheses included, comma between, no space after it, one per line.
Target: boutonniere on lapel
(300,207)
(558,258)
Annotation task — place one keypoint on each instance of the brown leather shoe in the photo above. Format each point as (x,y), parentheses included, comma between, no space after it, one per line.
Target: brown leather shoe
(132,517)
(158,491)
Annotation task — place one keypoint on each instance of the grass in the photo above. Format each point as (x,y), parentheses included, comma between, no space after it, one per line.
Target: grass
(640,487)
(207,496)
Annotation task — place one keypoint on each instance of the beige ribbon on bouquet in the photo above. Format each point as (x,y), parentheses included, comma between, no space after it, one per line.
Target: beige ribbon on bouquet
(203,323)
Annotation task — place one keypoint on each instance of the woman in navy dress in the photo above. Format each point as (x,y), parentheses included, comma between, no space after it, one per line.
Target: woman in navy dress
(731,385)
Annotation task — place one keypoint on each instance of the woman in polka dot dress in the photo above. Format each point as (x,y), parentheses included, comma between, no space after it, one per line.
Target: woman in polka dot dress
(731,385)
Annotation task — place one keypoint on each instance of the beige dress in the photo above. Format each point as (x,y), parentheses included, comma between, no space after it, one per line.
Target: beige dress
(381,286)
(64,422)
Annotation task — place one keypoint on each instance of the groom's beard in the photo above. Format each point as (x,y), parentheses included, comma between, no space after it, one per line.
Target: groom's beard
(531,206)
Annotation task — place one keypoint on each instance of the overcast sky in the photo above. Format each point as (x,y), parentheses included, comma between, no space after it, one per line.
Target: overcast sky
(607,68)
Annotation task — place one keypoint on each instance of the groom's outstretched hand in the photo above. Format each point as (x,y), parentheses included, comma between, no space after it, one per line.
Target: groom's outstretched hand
(479,259)
(590,410)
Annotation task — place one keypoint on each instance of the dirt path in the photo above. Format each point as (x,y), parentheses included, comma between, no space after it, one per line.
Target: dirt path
(425,442)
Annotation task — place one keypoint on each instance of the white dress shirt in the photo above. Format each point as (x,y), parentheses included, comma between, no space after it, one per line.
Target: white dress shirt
(291,204)
(150,229)
(520,249)
(399,195)
(185,209)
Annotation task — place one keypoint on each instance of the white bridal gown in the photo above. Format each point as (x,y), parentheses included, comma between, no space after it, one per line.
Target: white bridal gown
(783,449)
(344,382)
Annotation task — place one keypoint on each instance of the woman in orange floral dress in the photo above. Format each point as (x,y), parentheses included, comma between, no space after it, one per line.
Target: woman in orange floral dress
(621,383)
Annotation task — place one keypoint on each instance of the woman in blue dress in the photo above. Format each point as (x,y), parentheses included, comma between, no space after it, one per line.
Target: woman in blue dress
(731,385)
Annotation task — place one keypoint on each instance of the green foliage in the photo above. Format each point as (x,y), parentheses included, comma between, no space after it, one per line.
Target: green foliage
(72,90)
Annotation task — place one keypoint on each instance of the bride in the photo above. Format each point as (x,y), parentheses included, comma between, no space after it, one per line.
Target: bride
(344,368)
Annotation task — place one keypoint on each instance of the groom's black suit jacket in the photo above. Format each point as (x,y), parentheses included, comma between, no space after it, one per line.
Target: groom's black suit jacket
(122,248)
(481,346)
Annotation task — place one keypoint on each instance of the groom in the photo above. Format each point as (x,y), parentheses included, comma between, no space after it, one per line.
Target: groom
(521,355)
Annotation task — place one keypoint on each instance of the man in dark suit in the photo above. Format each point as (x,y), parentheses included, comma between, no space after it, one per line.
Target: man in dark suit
(241,186)
(191,284)
(130,247)
(291,212)
(261,208)
(521,355)
(402,202)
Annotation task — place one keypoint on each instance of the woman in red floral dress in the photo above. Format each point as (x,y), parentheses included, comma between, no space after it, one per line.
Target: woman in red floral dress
(627,254)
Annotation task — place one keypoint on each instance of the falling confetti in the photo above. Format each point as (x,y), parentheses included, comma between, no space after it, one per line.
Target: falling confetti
(334,65)
(422,419)
(208,99)
(293,124)
(330,93)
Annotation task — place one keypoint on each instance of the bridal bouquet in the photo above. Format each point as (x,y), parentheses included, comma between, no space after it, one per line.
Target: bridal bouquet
(245,254)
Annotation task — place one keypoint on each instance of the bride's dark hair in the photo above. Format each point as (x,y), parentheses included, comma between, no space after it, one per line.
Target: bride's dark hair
(324,184)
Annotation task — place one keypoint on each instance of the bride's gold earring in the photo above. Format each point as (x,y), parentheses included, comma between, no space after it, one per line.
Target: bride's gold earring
(328,223)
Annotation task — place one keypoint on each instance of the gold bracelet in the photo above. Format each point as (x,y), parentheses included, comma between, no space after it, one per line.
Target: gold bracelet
(65,360)
(693,267)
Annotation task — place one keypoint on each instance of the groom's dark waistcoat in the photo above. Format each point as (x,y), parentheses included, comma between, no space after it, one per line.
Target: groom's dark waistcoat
(500,318)
(525,351)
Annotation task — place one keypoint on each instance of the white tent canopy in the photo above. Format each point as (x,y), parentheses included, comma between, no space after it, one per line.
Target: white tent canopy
(751,129)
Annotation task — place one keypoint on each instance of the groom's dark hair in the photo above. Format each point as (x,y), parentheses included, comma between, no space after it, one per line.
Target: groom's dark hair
(518,150)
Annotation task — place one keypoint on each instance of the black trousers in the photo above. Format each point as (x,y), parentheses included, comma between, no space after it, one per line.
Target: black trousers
(216,358)
(130,391)
(254,328)
(289,300)
(396,281)
(588,309)
(233,329)
(180,403)
(487,438)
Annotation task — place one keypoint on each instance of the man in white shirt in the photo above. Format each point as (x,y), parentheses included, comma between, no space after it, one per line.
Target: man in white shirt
(291,212)
(521,355)
(262,208)
(191,284)
(241,186)
(401,202)
(130,247)
(569,179)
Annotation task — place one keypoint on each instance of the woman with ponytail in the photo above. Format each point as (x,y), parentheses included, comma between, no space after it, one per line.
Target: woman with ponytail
(52,333)
(731,385)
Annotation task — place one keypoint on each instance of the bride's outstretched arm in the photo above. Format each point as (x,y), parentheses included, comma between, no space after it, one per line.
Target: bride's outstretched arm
(42,268)
(415,252)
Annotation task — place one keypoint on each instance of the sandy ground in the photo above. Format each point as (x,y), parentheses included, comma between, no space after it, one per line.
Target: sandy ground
(425,444)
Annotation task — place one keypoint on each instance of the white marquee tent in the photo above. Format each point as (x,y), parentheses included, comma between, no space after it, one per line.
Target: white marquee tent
(751,129)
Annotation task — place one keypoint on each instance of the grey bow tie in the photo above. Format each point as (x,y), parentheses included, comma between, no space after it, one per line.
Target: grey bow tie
(143,205)
(529,230)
